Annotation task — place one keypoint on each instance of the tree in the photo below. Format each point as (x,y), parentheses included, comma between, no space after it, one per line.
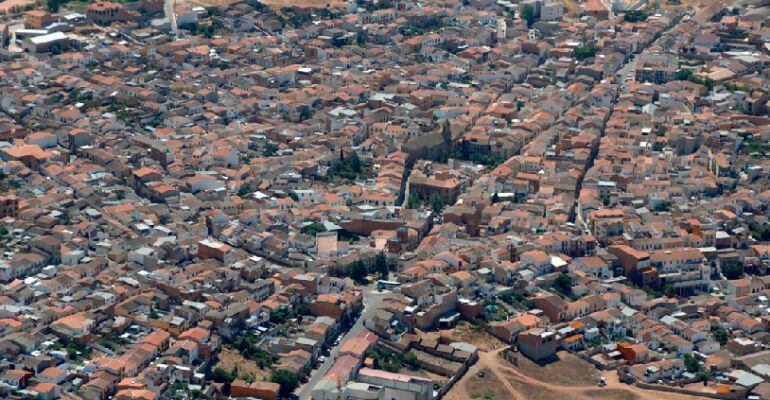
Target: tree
(669,290)
(287,379)
(314,229)
(413,202)
(663,206)
(436,203)
(349,168)
(691,363)
(586,51)
(357,271)
(53,5)
(411,360)
(732,270)
(563,284)
(355,162)
(270,150)
(381,265)
(684,74)
(635,16)
(248,345)
(495,198)
(720,335)
(221,376)
(528,14)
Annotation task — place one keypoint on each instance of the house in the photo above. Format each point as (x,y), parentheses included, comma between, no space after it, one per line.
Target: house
(538,343)
(106,12)
(658,370)
(398,385)
(553,306)
(510,329)
(258,389)
(593,266)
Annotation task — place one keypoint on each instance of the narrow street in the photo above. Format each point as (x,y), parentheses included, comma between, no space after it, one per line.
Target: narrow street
(168,9)
(621,73)
(372,300)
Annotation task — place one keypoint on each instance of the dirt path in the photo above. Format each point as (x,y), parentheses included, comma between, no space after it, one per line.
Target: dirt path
(503,381)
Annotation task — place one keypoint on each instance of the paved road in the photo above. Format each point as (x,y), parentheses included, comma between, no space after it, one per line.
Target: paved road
(168,9)
(372,300)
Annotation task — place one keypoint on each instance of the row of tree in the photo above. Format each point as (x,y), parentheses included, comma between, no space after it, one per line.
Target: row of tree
(287,380)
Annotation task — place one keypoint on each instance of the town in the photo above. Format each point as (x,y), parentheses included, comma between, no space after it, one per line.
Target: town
(385,199)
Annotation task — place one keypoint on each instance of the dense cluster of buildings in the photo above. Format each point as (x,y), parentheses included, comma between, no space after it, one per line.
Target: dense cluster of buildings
(317,189)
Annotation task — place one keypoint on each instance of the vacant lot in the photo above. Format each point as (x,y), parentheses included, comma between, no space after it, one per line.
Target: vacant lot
(277,4)
(568,378)
(569,370)
(229,358)
(534,392)
(474,387)
(465,332)
(611,394)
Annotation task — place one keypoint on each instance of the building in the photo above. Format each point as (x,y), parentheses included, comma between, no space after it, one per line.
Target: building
(656,68)
(259,389)
(37,19)
(106,12)
(658,370)
(9,206)
(398,386)
(446,186)
(538,343)
(55,42)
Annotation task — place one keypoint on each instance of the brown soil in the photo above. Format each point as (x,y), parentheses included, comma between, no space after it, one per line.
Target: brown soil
(568,378)
(465,332)
(229,357)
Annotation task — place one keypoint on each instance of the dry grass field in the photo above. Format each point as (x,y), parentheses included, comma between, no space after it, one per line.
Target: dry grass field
(568,378)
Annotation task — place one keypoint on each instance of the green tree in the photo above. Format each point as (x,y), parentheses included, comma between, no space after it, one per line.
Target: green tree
(732,270)
(635,16)
(53,5)
(669,290)
(586,51)
(563,284)
(357,271)
(314,228)
(684,74)
(528,14)
(436,203)
(270,150)
(381,265)
(287,379)
(349,168)
(221,376)
(691,363)
(411,360)
(355,162)
(720,335)
(248,345)
(413,202)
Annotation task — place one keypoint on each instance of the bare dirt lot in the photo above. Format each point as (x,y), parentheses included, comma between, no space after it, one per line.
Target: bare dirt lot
(229,357)
(488,387)
(276,5)
(465,332)
(568,378)
(569,370)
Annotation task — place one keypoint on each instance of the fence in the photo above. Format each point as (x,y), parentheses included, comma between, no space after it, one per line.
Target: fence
(741,394)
